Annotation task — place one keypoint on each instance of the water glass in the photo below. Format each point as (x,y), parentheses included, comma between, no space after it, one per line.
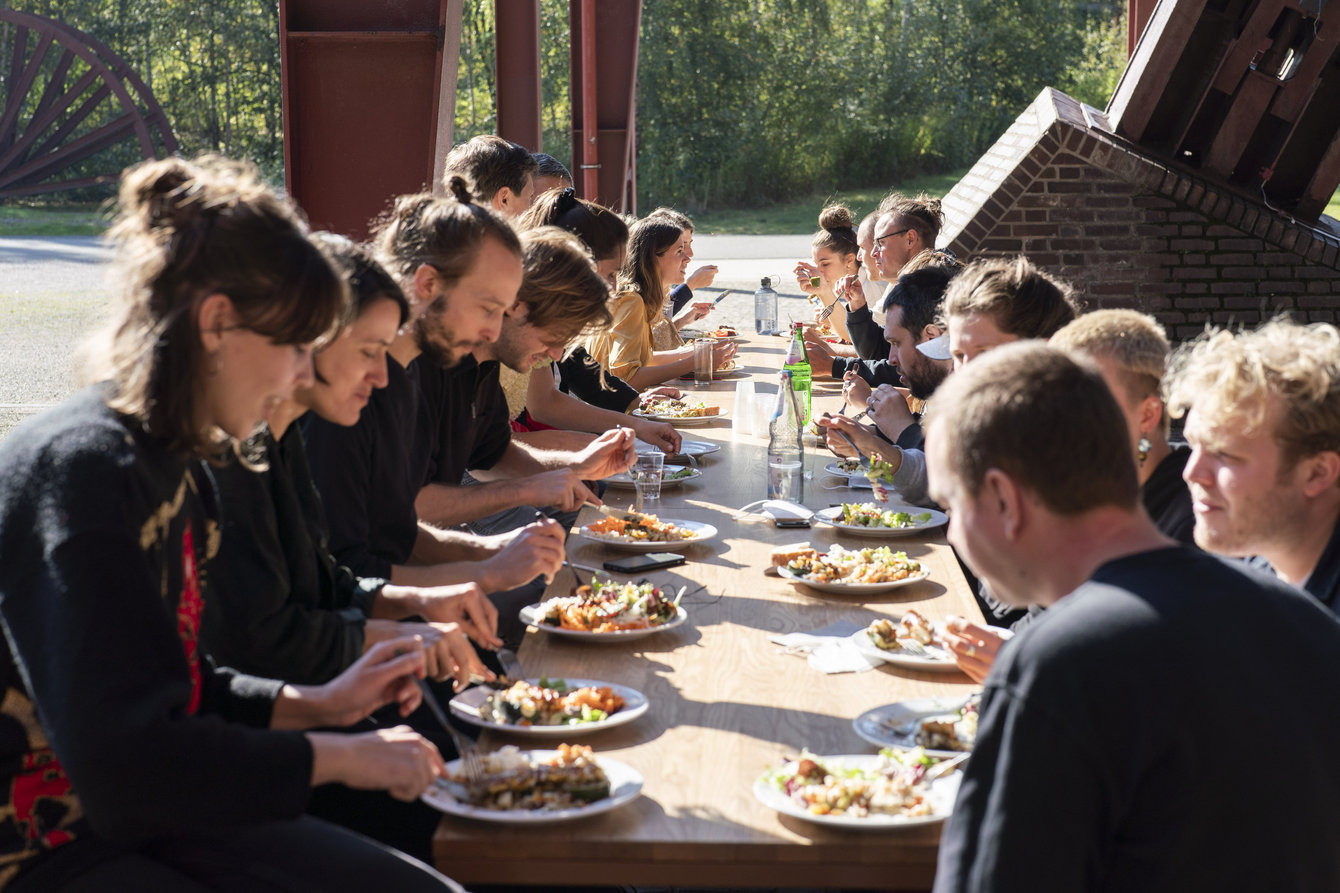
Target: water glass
(763,404)
(744,407)
(703,364)
(786,479)
(647,473)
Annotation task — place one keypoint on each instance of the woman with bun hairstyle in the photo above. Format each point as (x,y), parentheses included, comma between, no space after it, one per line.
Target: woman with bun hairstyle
(835,250)
(656,259)
(131,762)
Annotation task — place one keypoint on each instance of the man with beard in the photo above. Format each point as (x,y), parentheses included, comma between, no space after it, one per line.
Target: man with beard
(459,264)
(910,324)
(1264,429)
(560,297)
(1104,756)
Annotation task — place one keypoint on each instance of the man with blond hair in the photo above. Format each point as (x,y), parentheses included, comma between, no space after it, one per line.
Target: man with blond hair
(1104,757)
(1263,420)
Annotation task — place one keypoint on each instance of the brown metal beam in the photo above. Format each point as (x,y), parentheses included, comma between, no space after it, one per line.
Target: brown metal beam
(517,51)
(604,102)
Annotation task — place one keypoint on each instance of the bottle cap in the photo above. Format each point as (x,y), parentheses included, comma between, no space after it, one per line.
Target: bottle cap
(767,283)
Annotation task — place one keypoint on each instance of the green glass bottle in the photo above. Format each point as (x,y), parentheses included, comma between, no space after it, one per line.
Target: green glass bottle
(798,364)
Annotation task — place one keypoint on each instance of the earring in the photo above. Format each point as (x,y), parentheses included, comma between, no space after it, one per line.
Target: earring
(1142,450)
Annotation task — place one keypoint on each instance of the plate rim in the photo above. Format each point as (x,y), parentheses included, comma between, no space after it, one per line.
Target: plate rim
(617,719)
(615,480)
(703,537)
(620,794)
(622,635)
(889,742)
(867,648)
(884,531)
(873,823)
(854,588)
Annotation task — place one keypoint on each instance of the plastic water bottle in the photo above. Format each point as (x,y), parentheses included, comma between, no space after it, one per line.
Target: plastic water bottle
(786,448)
(798,364)
(765,308)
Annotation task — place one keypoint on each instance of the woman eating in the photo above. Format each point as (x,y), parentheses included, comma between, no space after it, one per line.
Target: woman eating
(132,762)
(655,259)
(835,251)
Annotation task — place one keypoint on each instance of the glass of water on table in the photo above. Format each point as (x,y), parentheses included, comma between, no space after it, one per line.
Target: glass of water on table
(647,473)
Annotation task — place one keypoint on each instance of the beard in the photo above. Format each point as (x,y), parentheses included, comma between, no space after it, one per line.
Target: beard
(438,343)
(925,377)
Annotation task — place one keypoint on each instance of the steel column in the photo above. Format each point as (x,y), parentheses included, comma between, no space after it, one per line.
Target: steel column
(604,103)
(516,29)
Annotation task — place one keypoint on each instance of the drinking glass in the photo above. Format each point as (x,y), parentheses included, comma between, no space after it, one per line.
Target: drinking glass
(744,407)
(702,361)
(647,473)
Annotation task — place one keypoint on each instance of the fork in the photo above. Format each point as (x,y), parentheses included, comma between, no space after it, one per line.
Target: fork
(472,760)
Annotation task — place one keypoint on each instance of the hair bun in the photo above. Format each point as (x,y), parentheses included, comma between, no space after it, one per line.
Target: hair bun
(836,217)
(459,189)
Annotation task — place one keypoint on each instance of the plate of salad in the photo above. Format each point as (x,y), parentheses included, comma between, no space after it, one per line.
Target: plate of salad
(872,519)
(543,707)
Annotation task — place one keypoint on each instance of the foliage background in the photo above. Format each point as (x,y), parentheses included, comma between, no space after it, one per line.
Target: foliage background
(740,102)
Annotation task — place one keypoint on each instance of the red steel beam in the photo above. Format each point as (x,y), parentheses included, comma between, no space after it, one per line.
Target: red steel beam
(1137,16)
(517,51)
(604,102)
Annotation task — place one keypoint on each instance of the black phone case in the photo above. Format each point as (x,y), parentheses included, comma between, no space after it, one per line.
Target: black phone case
(651,561)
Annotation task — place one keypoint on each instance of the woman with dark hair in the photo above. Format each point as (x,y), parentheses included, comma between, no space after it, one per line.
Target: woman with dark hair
(293,612)
(132,762)
(835,250)
(655,258)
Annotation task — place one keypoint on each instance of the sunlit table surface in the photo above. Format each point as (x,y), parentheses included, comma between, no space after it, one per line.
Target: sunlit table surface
(726,703)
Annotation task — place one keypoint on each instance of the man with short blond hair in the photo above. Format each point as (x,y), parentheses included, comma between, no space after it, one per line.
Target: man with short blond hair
(1263,420)
(1103,758)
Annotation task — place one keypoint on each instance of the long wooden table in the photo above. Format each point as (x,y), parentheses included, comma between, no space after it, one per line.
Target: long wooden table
(726,703)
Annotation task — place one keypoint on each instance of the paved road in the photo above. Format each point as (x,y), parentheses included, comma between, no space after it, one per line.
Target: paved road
(54,293)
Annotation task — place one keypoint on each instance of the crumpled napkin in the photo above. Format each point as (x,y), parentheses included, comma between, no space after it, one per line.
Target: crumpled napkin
(829,650)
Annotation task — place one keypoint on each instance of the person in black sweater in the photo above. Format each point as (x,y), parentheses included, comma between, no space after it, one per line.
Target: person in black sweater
(1100,761)
(293,613)
(132,762)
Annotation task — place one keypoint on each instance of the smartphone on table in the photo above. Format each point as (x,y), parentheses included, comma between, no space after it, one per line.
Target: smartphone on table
(650,561)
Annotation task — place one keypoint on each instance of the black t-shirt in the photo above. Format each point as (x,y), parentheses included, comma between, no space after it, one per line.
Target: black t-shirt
(580,375)
(291,613)
(1168,726)
(370,473)
(471,425)
(1323,583)
(1166,498)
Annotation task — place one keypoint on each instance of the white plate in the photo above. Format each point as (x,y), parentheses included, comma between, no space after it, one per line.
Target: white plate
(941,793)
(701,534)
(693,334)
(854,478)
(467,704)
(833,515)
(697,447)
(622,479)
(867,647)
(678,422)
(851,588)
(530,615)
(625,785)
(877,725)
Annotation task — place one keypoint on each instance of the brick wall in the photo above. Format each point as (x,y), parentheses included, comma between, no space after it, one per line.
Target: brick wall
(1127,231)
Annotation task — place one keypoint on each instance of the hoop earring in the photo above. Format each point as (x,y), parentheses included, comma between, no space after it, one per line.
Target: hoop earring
(1142,450)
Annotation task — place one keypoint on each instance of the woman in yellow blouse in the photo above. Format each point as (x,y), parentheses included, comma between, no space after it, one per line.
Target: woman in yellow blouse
(655,261)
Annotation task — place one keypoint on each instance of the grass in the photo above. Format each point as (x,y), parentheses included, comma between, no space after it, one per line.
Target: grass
(52,220)
(802,215)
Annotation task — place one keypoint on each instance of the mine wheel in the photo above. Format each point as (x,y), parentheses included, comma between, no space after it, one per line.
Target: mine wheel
(74,112)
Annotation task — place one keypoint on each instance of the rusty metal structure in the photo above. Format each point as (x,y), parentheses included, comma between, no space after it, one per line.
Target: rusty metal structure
(1245,93)
(370,90)
(74,112)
